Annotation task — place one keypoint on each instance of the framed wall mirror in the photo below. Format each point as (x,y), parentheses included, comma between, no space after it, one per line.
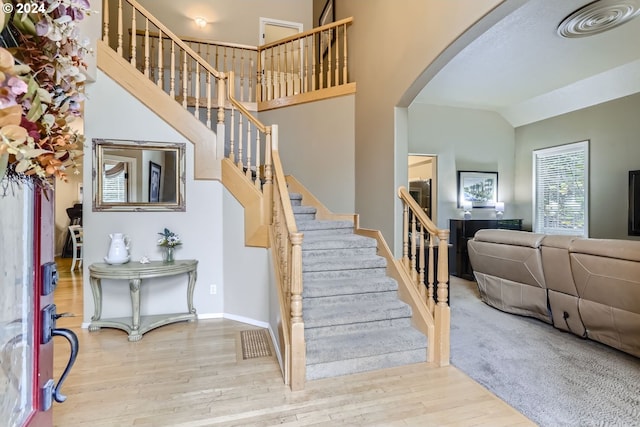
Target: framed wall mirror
(138,176)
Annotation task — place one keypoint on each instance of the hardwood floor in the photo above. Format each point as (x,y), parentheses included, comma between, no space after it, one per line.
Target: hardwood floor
(190,374)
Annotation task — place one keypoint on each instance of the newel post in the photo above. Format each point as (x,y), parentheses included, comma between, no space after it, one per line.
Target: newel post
(442,312)
(298,350)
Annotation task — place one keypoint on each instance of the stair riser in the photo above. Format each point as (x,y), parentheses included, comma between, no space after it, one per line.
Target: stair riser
(344,274)
(347,287)
(304,216)
(315,333)
(355,318)
(327,232)
(371,297)
(320,264)
(363,364)
(342,253)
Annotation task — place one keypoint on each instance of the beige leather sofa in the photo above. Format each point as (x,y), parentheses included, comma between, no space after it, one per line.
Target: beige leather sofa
(591,287)
(507,265)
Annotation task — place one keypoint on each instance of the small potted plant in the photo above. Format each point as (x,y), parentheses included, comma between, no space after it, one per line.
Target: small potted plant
(168,241)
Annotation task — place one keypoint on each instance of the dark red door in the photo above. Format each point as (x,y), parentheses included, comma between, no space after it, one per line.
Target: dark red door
(27,314)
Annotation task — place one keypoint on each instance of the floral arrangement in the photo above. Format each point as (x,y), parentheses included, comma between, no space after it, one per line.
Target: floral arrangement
(41,83)
(169,239)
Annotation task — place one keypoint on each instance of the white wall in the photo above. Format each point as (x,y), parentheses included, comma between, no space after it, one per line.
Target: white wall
(464,139)
(200,227)
(246,269)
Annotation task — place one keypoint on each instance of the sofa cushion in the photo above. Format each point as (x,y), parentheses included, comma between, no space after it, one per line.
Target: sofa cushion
(611,248)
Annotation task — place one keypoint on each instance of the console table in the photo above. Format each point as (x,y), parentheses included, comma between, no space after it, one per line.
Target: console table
(463,230)
(134,272)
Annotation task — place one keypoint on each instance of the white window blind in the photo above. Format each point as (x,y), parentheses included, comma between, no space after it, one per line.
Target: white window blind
(114,187)
(561,189)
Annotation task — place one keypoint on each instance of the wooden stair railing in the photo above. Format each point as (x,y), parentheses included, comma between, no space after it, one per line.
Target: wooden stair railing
(422,242)
(305,67)
(223,56)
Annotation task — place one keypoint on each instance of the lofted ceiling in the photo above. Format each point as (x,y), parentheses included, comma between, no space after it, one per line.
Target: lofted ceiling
(522,69)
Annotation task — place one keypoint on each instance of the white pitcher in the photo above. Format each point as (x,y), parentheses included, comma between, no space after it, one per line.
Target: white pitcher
(118,250)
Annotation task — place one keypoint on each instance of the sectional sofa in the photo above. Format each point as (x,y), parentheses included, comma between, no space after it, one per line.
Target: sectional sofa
(588,287)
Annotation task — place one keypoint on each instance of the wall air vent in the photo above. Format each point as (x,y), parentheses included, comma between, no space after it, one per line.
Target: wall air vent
(597,17)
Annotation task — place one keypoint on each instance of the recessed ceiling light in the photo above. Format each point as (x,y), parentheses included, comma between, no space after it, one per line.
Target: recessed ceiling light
(597,17)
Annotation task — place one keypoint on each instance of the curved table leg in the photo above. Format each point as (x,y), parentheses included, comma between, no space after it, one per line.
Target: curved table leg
(96,289)
(134,288)
(193,275)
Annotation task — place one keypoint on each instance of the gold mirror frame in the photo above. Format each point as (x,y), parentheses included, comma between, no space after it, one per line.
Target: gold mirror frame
(102,148)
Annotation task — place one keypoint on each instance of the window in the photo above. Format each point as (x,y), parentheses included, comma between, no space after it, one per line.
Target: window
(561,189)
(115,182)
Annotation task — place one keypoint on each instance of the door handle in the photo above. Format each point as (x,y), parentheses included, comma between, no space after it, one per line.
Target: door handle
(72,338)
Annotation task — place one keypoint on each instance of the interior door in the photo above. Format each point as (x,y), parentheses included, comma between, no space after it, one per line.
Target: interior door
(27,312)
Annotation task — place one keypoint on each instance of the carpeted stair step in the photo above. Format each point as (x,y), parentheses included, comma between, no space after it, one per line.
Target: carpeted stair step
(364,351)
(353,313)
(342,245)
(340,263)
(304,213)
(323,288)
(343,275)
(314,333)
(296,199)
(324,227)
(378,298)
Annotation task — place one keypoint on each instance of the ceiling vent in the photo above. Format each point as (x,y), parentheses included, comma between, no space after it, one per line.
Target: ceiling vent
(597,17)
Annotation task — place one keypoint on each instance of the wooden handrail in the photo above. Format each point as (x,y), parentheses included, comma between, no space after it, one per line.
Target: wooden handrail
(406,197)
(436,287)
(137,6)
(306,33)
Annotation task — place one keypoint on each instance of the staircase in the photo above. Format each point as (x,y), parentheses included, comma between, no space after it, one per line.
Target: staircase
(354,320)
(338,285)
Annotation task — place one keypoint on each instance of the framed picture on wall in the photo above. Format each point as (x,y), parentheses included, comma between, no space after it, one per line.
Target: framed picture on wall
(634,203)
(479,188)
(326,37)
(154,182)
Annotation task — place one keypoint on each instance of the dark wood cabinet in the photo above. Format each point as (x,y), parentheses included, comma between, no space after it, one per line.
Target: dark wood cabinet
(463,230)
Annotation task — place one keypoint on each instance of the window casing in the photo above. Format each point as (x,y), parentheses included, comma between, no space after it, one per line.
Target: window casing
(561,189)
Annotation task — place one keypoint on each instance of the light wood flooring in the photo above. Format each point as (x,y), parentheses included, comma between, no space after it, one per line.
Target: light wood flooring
(190,374)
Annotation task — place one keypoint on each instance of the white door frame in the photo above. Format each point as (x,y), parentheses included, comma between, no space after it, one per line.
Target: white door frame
(278,23)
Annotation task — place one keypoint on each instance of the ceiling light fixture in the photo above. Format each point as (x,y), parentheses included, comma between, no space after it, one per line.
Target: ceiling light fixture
(597,17)
(200,21)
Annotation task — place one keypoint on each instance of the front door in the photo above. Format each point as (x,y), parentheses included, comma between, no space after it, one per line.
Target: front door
(27,279)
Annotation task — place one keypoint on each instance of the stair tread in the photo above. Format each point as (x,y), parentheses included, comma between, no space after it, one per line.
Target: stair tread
(338,263)
(321,242)
(364,343)
(303,209)
(339,314)
(320,288)
(323,224)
